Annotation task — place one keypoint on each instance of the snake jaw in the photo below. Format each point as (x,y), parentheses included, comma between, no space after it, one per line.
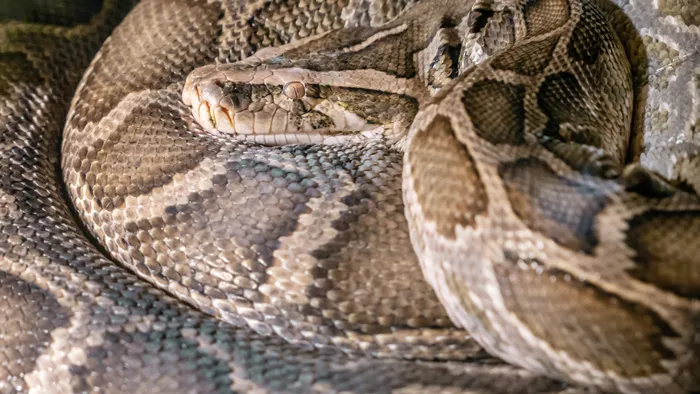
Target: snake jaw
(223,121)
(275,108)
(204,117)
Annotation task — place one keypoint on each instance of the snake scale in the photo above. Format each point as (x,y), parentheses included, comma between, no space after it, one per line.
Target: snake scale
(350,196)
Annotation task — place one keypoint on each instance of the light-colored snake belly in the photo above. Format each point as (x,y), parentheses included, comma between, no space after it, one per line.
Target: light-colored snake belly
(350,196)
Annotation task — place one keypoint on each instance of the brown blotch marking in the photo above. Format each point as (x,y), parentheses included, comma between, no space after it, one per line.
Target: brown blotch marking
(450,190)
(15,68)
(29,315)
(202,234)
(587,323)
(107,86)
(137,168)
(558,97)
(542,16)
(497,111)
(349,272)
(106,366)
(666,255)
(527,59)
(590,35)
(562,99)
(55,13)
(556,207)
(333,41)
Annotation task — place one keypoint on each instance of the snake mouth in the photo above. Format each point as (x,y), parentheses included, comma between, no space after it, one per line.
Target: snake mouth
(276,124)
(281,139)
(277,107)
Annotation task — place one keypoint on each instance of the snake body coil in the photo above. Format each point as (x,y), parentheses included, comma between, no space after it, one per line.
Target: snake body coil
(350,196)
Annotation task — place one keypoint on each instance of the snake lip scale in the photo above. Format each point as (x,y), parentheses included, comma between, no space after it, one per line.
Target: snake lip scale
(350,196)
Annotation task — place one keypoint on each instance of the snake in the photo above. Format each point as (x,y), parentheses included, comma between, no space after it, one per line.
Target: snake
(350,196)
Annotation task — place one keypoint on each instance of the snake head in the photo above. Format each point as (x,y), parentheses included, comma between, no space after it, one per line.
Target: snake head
(293,105)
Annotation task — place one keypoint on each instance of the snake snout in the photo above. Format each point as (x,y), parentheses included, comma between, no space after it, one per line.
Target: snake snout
(215,105)
(217,96)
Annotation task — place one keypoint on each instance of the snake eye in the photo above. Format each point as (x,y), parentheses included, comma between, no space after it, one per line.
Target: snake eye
(294,90)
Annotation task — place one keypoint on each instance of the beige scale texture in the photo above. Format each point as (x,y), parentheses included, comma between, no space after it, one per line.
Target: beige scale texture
(350,196)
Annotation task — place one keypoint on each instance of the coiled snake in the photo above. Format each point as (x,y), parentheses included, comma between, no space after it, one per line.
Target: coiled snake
(315,195)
